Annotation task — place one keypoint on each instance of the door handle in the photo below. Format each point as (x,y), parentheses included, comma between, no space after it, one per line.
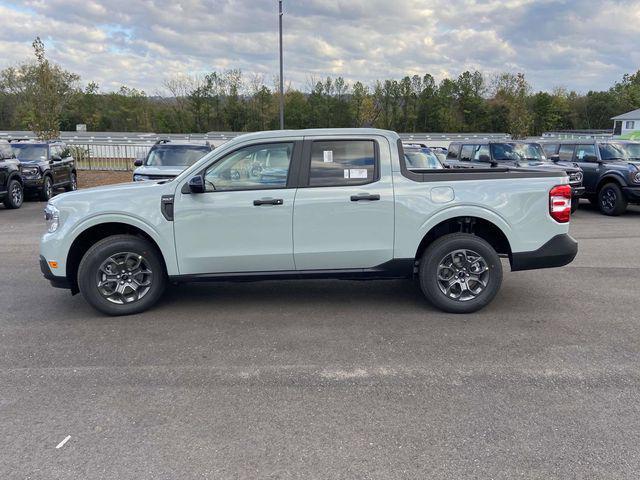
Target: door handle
(268,201)
(371,198)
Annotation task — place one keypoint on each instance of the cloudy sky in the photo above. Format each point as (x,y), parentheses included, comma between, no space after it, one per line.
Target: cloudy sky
(578,44)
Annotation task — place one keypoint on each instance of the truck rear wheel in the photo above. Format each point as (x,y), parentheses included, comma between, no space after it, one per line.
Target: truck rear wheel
(121,275)
(460,273)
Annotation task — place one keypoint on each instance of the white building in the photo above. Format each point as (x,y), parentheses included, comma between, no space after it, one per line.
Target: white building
(626,123)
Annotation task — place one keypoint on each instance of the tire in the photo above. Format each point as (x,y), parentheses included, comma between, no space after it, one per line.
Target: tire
(611,200)
(47,189)
(73,183)
(15,195)
(440,254)
(123,249)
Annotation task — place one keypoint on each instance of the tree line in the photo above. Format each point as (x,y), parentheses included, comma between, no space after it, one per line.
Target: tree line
(41,96)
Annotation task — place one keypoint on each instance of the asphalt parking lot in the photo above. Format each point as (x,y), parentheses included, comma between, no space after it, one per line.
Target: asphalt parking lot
(326,379)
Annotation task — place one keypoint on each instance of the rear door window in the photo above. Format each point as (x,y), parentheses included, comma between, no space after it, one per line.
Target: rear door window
(454,149)
(342,163)
(550,149)
(467,153)
(586,153)
(481,150)
(566,153)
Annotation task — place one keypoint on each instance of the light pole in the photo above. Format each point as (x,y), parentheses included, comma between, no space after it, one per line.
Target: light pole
(281,69)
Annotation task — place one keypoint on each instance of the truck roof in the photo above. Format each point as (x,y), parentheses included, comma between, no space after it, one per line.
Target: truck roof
(316,132)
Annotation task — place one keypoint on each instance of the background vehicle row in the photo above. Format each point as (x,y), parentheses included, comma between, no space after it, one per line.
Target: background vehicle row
(513,154)
(611,170)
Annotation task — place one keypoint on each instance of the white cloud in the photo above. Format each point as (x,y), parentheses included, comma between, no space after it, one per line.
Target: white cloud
(586,44)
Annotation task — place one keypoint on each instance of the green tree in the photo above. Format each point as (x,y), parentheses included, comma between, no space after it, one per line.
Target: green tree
(42,90)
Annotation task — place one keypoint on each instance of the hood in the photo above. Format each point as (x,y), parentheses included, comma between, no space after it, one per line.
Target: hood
(163,171)
(126,190)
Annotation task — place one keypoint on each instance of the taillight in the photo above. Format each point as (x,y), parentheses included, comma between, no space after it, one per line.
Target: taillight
(560,203)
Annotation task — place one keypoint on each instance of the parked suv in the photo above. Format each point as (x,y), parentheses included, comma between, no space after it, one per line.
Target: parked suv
(611,170)
(168,158)
(527,155)
(343,204)
(11,188)
(45,167)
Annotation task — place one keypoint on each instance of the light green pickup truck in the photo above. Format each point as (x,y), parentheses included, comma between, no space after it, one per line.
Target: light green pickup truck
(335,203)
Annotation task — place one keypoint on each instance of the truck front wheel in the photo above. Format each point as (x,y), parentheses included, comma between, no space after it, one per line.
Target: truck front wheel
(121,275)
(460,273)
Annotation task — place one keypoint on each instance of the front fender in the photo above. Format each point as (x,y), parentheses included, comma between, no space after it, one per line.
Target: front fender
(614,176)
(57,246)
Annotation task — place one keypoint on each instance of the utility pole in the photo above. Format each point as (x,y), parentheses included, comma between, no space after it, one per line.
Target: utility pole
(281,69)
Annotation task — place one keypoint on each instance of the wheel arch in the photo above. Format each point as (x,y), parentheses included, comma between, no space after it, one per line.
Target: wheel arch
(97,231)
(472,224)
(610,178)
(15,176)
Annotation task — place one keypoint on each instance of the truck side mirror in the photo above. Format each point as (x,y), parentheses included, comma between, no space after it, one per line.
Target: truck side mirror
(196,184)
(138,162)
(554,158)
(56,158)
(484,158)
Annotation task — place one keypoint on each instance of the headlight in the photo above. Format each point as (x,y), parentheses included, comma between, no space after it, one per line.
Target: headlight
(635,176)
(52,217)
(30,170)
(576,177)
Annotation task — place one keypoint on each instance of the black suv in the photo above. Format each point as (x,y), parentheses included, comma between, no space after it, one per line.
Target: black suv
(611,170)
(526,155)
(45,166)
(11,193)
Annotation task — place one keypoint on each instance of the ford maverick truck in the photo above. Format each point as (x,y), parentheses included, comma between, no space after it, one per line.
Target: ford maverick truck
(335,203)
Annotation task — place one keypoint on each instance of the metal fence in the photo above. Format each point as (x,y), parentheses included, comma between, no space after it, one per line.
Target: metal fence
(118,150)
(107,156)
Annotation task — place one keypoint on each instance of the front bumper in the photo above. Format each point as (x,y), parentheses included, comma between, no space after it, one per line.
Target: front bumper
(557,252)
(632,194)
(57,282)
(33,183)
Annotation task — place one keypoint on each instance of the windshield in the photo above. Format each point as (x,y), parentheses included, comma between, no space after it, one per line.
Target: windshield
(29,153)
(175,156)
(619,151)
(417,159)
(517,152)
